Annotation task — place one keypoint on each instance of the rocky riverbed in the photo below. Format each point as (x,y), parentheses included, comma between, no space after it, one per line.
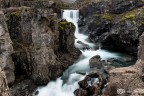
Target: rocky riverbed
(37,46)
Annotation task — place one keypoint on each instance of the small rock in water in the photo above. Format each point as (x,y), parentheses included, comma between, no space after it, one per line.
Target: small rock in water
(81,73)
(81,92)
(93,75)
(37,92)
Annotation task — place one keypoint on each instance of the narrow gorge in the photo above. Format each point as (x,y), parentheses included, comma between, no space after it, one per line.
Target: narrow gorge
(71,48)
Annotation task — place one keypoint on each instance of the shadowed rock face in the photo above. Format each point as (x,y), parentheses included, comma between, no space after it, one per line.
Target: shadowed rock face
(120,6)
(42,49)
(116,31)
(6,50)
(36,46)
(129,79)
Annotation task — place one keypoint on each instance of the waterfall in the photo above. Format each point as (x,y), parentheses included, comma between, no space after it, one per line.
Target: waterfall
(61,88)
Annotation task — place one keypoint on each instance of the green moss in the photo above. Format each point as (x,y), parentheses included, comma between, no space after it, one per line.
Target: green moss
(107,16)
(129,16)
(64,25)
(16,13)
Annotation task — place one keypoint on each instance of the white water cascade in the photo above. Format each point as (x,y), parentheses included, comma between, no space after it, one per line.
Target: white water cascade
(61,88)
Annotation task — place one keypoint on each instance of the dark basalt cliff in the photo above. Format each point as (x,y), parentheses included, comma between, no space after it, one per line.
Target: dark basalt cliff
(36,47)
(116,24)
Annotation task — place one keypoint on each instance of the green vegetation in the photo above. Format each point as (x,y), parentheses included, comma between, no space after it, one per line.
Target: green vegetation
(130,16)
(106,16)
(64,25)
(16,13)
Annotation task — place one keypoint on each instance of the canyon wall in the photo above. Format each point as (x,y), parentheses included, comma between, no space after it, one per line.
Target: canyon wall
(36,46)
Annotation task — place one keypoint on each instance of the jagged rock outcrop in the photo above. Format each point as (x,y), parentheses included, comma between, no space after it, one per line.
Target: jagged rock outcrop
(115,31)
(120,6)
(43,45)
(6,50)
(128,80)
(95,81)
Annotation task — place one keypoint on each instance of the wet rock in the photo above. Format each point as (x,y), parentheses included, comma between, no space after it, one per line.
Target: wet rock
(95,62)
(84,83)
(102,81)
(93,75)
(112,60)
(84,46)
(114,31)
(91,90)
(82,73)
(80,92)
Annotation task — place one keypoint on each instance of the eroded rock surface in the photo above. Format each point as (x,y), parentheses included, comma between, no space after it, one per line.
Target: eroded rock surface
(6,50)
(36,47)
(116,24)
(43,45)
(129,79)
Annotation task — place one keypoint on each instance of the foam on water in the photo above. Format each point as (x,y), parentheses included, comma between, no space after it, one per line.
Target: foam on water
(68,83)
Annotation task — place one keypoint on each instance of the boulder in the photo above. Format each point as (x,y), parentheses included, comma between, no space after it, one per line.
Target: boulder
(80,92)
(24,88)
(96,64)
(126,79)
(93,74)
(84,83)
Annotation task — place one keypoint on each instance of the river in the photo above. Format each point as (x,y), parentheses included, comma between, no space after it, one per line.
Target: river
(68,83)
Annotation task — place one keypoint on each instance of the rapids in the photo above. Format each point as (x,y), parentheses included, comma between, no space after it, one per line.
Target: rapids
(68,83)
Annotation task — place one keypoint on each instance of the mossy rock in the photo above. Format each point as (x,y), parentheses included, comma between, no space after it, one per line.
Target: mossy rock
(106,16)
(130,16)
(64,25)
(16,13)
